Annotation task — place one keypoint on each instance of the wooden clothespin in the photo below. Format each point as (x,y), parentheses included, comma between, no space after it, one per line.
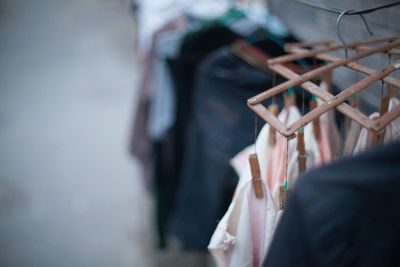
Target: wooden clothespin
(256,175)
(302,151)
(352,101)
(286,100)
(282,197)
(384,105)
(316,126)
(384,109)
(358,101)
(273,108)
(378,137)
(389,90)
(292,96)
(355,101)
(289,98)
(328,80)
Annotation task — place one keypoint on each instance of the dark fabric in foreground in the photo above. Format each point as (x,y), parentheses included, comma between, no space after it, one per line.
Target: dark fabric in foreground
(344,214)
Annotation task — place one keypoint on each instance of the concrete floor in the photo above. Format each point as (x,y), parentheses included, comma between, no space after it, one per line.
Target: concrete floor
(70,195)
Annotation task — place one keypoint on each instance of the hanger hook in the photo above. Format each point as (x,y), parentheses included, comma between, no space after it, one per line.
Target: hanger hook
(346,12)
(339,35)
(366,24)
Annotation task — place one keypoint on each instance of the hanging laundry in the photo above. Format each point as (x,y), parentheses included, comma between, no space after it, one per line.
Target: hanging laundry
(153,15)
(392,131)
(352,137)
(141,144)
(170,150)
(285,151)
(330,140)
(243,235)
(324,145)
(365,139)
(162,111)
(218,128)
(238,240)
(165,107)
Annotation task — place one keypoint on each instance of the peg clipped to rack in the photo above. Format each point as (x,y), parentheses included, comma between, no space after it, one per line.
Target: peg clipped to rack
(301,150)
(273,108)
(378,138)
(256,175)
(315,122)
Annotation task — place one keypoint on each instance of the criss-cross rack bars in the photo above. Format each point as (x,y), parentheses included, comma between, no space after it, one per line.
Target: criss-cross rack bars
(299,51)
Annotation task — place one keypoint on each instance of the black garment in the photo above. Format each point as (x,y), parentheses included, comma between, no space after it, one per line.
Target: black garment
(220,126)
(211,127)
(344,214)
(169,152)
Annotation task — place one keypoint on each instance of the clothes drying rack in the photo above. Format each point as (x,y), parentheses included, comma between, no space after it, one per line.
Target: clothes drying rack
(282,66)
(286,67)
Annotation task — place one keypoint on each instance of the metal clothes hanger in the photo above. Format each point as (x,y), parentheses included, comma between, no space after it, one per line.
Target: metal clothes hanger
(338,33)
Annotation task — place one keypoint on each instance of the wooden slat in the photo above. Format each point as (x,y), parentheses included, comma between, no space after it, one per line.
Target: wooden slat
(251,55)
(387,118)
(301,159)
(273,121)
(354,66)
(308,44)
(328,79)
(354,114)
(315,122)
(390,52)
(273,108)
(314,89)
(384,105)
(341,97)
(315,73)
(311,53)
(258,58)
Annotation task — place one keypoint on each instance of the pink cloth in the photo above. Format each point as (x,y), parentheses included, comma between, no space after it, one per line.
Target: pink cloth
(392,131)
(331,130)
(277,166)
(352,137)
(244,233)
(285,154)
(323,143)
(365,139)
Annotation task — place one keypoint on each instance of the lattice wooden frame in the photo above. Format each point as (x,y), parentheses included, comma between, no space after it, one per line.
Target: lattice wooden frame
(299,51)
